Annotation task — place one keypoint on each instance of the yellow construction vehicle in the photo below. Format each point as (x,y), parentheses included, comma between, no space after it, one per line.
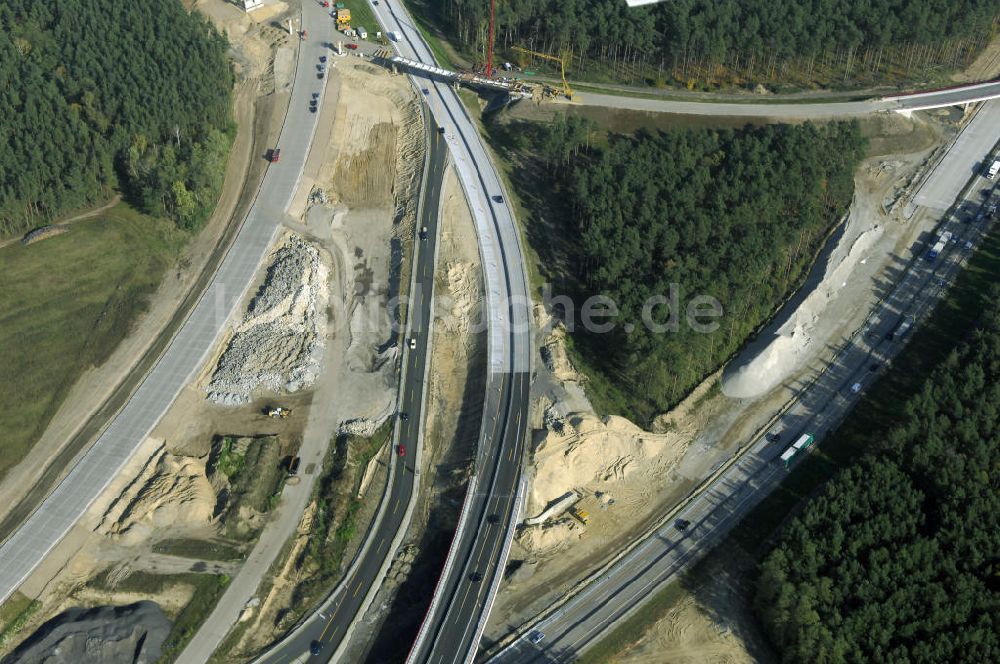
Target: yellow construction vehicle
(566,90)
(277,412)
(343,18)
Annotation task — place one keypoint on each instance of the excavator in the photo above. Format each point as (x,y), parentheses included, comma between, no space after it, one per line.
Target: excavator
(566,90)
(277,412)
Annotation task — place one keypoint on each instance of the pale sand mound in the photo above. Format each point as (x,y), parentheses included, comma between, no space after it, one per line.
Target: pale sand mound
(463,296)
(782,352)
(548,538)
(598,455)
(557,358)
(170,491)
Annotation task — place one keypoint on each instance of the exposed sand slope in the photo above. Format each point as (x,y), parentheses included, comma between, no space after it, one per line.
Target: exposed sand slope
(597,455)
(170,492)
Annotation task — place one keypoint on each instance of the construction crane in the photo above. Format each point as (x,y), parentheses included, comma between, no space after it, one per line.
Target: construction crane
(566,90)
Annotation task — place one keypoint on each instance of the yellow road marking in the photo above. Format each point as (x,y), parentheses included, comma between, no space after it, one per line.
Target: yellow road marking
(358,589)
(329,623)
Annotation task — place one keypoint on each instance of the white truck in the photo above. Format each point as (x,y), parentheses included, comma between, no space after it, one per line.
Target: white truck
(994,169)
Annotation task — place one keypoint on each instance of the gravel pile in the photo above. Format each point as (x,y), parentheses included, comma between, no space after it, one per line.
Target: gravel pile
(279,344)
(362,427)
(130,634)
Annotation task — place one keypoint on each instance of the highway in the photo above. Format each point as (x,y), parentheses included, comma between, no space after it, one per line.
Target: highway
(189,348)
(334,620)
(474,567)
(565,631)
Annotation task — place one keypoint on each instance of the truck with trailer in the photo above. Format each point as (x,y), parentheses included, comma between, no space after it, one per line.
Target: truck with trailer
(939,246)
(803,443)
(904,325)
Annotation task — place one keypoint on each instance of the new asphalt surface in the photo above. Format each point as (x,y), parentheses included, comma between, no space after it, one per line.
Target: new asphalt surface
(474,568)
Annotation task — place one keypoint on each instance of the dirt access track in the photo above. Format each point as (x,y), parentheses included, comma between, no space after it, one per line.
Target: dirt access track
(260,98)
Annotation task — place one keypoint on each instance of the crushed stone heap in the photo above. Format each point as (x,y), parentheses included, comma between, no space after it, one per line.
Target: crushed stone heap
(279,344)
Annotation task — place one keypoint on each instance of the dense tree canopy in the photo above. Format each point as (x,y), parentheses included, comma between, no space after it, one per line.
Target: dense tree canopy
(99,94)
(899,559)
(750,35)
(736,215)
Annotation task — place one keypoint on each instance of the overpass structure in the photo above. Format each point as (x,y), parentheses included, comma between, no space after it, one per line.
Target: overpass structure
(510,86)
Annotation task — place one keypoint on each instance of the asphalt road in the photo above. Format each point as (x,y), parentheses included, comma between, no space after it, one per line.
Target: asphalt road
(804,110)
(965,157)
(582,620)
(329,626)
(473,570)
(186,353)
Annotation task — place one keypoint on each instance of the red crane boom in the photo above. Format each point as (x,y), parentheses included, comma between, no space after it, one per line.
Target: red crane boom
(489,54)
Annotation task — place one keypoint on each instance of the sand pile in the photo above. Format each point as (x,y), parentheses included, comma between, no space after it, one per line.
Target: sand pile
(169,491)
(597,455)
(785,348)
(279,344)
(556,358)
(463,296)
(548,538)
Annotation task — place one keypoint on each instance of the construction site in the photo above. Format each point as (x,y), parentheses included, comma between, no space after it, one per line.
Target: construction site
(271,465)
(223,464)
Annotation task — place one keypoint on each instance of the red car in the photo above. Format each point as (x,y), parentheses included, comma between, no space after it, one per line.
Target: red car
(353,47)
(401,449)
(275,155)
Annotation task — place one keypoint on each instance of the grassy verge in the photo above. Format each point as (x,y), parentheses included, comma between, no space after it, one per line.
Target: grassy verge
(65,304)
(421,13)
(880,408)
(336,524)
(361,15)
(631,630)
(14,615)
(208,588)
(197,549)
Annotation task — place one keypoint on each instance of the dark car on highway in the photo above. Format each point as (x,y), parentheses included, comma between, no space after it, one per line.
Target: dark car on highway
(682,524)
(475,577)
(315,648)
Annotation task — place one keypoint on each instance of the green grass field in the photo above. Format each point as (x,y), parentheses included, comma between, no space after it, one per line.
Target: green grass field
(361,16)
(65,304)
